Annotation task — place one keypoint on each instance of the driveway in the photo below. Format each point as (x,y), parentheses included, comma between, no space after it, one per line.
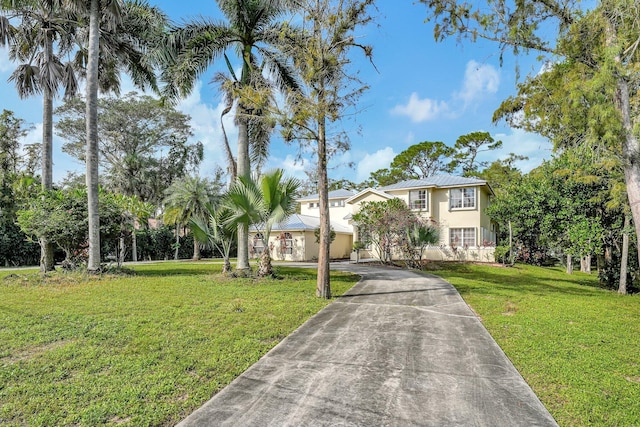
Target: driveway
(399,349)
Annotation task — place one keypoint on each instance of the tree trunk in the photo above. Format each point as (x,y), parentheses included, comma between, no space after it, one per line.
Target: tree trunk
(177,245)
(93,264)
(265,269)
(585,264)
(631,156)
(244,166)
(624,259)
(47,261)
(134,244)
(196,250)
(569,264)
(323,286)
(122,249)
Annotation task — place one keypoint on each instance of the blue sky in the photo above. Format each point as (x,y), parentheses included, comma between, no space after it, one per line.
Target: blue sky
(421,91)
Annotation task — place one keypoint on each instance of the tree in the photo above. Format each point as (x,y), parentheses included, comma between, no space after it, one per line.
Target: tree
(467,149)
(142,143)
(254,31)
(385,225)
(601,43)
(187,199)
(264,203)
(322,58)
(419,161)
(118,35)
(217,230)
(43,27)
(418,236)
(500,173)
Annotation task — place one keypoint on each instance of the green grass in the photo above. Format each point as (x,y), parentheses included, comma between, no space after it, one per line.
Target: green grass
(138,350)
(576,345)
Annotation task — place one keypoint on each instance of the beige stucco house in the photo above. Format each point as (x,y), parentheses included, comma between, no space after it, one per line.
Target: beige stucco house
(456,204)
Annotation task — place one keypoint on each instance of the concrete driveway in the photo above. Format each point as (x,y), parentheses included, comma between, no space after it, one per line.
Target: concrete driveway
(399,349)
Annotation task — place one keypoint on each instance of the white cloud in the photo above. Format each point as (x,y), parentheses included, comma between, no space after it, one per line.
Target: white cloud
(292,165)
(535,147)
(205,124)
(421,110)
(372,162)
(479,79)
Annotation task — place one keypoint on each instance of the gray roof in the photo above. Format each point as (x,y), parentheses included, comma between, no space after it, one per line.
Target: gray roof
(435,181)
(336,194)
(297,222)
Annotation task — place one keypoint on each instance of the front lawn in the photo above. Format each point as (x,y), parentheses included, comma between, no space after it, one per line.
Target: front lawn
(576,345)
(141,350)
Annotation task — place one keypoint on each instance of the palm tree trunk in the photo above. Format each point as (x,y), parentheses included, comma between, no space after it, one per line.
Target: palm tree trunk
(92,136)
(134,243)
(323,285)
(46,247)
(196,250)
(243,170)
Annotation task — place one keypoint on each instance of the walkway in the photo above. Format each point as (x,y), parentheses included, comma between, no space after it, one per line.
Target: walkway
(399,349)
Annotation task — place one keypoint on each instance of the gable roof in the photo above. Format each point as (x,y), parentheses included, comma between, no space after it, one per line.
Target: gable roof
(298,222)
(367,191)
(336,194)
(435,181)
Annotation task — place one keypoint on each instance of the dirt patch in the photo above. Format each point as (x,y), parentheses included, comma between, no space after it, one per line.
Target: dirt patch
(31,352)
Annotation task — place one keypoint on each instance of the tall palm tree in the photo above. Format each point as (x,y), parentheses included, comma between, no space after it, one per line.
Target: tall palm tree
(188,199)
(42,37)
(126,29)
(264,203)
(253,29)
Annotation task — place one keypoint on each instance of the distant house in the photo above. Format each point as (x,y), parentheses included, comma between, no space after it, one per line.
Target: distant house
(456,204)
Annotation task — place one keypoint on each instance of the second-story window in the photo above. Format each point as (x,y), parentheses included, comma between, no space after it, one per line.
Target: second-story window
(418,199)
(462,198)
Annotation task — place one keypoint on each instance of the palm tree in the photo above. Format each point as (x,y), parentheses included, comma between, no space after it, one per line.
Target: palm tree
(126,29)
(253,30)
(188,199)
(219,232)
(43,27)
(263,204)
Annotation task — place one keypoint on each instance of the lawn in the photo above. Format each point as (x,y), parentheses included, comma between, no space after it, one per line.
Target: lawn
(145,349)
(576,345)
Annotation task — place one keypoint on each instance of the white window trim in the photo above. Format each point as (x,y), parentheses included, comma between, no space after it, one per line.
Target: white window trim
(426,200)
(461,244)
(463,207)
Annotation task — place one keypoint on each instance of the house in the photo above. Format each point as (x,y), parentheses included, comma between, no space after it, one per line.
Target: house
(456,204)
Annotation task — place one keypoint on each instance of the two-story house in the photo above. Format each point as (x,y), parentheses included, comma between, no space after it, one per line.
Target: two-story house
(456,204)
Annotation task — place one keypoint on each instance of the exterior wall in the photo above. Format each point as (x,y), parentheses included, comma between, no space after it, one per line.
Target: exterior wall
(341,246)
(336,213)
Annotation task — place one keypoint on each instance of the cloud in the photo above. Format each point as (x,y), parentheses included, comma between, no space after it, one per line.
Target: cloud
(372,162)
(479,79)
(292,165)
(205,124)
(421,110)
(535,147)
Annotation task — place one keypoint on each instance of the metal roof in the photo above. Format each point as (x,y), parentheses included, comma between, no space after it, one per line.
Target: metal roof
(336,194)
(297,222)
(435,181)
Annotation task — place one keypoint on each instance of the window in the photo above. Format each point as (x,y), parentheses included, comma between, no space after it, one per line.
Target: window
(258,243)
(286,243)
(336,203)
(418,199)
(314,205)
(462,198)
(462,237)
